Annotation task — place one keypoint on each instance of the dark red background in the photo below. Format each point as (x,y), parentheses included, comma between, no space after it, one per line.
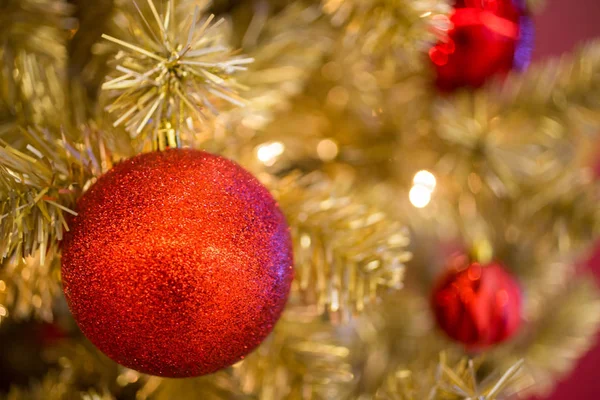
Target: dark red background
(560,27)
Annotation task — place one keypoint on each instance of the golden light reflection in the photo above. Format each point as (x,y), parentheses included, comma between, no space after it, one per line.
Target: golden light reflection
(425,178)
(305,241)
(327,149)
(424,183)
(419,196)
(268,153)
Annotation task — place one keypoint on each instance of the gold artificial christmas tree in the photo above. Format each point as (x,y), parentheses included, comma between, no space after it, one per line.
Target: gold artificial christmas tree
(331,104)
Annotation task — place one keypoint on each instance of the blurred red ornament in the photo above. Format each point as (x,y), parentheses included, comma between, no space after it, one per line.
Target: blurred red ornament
(179,263)
(477,305)
(489,37)
(50,333)
(509,9)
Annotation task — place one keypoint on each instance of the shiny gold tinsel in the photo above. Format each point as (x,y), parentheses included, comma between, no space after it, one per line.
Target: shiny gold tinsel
(51,388)
(564,330)
(33,52)
(381,46)
(28,287)
(38,188)
(566,211)
(287,48)
(34,26)
(554,107)
(385,26)
(171,73)
(459,381)
(344,251)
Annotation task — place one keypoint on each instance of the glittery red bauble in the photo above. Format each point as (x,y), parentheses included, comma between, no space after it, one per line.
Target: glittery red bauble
(477,305)
(489,37)
(178,263)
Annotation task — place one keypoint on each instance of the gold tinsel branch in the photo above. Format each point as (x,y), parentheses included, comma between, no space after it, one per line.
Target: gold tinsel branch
(287,47)
(561,218)
(171,72)
(477,140)
(380,45)
(305,359)
(28,287)
(34,35)
(39,187)
(34,26)
(564,330)
(41,94)
(528,130)
(564,89)
(457,381)
(308,358)
(77,368)
(388,28)
(345,251)
(53,387)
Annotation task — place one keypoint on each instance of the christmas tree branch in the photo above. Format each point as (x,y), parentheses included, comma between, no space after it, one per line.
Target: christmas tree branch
(563,217)
(565,330)
(565,89)
(29,287)
(389,27)
(525,131)
(34,36)
(458,380)
(313,359)
(36,27)
(32,217)
(345,251)
(54,387)
(379,48)
(288,47)
(173,70)
(38,190)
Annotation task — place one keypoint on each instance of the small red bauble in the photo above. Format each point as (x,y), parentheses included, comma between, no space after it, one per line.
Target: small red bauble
(178,264)
(489,37)
(477,305)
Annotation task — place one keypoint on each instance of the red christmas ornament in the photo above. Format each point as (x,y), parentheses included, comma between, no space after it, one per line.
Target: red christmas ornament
(489,37)
(178,263)
(477,305)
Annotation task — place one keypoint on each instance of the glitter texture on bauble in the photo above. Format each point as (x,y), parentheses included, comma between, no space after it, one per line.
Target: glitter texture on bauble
(178,264)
